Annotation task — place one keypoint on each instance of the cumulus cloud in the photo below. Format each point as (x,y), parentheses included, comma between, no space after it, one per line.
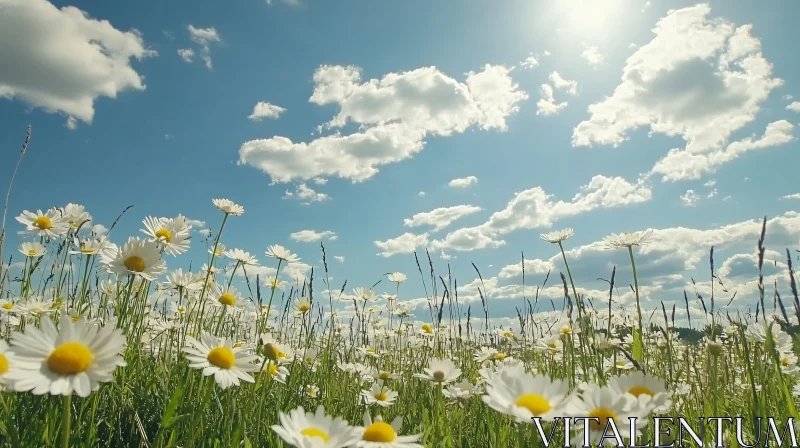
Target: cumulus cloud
(339,258)
(547,104)
(530,62)
(310,236)
(264,110)
(62,60)
(792,196)
(187,54)
(204,37)
(533,208)
(564,84)
(794,106)
(395,115)
(463,182)
(681,164)
(421,194)
(592,56)
(441,217)
(690,198)
(699,78)
(306,195)
(403,244)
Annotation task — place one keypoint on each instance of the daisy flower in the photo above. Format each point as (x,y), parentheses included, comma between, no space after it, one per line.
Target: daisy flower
(50,224)
(397,277)
(462,390)
(75,215)
(241,256)
(276,371)
(651,392)
(218,252)
(179,279)
(282,253)
(169,234)
(228,207)
(557,236)
(217,356)
(515,392)
(628,239)
(89,246)
(32,250)
(440,371)
(5,362)
(229,297)
(426,330)
(302,306)
(364,294)
(75,358)
(298,428)
(37,307)
(138,257)
(380,395)
(379,434)
(6,306)
(604,404)
(274,283)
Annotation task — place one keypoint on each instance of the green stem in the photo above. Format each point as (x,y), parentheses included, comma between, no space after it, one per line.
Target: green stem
(637,344)
(67,420)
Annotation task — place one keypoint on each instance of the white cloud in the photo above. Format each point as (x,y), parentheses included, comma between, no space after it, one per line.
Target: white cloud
(794,106)
(711,193)
(792,196)
(395,115)
(310,236)
(71,123)
(263,272)
(403,244)
(320,180)
(203,37)
(296,271)
(534,266)
(196,223)
(463,182)
(698,78)
(690,198)
(264,110)
(186,54)
(646,5)
(592,56)
(339,258)
(288,2)
(61,60)
(421,194)
(444,256)
(564,84)
(306,195)
(441,217)
(547,104)
(680,164)
(530,62)
(99,229)
(533,208)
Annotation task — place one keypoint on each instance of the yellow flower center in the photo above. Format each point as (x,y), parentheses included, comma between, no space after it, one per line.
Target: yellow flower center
(75,318)
(227,299)
(304,308)
(620,363)
(238,344)
(604,415)
(535,403)
(438,376)
(88,250)
(222,357)
(381,396)
(427,328)
(31,253)
(384,375)
(499,356)
(3,364)
(315,432)
(273,369)
(552,345)
(181,309)
(272,351)
(134,263)
(566,330)
(70,358)
(639,390)
(379,432)
(218,253)
(508,335)
(785,362)
(163,234)
(8,306)
(43,223)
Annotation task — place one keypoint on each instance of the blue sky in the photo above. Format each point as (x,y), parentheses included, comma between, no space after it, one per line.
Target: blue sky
(139,125)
